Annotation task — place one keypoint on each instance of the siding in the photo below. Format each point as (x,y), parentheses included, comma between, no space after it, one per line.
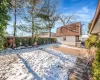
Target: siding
(70,40)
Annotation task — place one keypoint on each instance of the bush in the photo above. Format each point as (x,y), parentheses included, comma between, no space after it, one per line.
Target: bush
(46,40)
(24,41)
(92,41)
(1,44)
(96,66)
(4,17)
(28,41)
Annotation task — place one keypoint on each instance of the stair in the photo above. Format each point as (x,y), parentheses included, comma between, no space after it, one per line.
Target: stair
(81,69)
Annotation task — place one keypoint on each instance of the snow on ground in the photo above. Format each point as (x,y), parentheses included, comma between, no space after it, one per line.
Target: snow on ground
(38,64)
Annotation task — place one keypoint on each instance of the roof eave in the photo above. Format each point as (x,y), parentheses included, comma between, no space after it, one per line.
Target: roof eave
(95,17)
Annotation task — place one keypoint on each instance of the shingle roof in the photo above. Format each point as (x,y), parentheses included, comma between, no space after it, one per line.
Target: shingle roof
(69,30)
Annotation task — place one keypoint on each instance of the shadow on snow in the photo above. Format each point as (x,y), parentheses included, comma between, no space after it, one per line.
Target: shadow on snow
(29,68)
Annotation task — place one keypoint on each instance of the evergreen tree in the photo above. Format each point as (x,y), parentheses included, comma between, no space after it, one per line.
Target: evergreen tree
(4,17)
(49,15)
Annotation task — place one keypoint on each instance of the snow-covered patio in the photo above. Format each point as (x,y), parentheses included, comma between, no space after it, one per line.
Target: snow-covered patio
(40,63)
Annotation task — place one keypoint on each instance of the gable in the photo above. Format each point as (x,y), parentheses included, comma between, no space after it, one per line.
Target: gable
(69,30)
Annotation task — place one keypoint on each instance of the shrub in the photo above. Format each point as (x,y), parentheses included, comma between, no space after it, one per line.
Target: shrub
(1,43)
(46,40)
(29,41)
(96,66)
(24,41)
(4,17)
(92,41)
(18,40)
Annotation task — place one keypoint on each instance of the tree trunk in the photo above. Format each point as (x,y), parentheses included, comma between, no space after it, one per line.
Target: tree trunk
(50,32)
(32,26)
(14,24)
(15,19)
(33,12)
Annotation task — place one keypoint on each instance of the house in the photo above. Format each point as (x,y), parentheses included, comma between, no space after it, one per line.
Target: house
(69,34)
(95,25)
(46,34)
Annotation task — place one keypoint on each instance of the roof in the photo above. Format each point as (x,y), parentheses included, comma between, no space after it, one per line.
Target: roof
(96,17)
(73,29)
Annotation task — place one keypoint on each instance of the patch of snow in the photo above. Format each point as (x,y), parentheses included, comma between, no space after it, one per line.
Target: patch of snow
(49,66)
(9,49)
(36,64)
(21,47)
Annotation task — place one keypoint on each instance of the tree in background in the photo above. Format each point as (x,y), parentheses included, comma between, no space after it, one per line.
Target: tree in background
(32,16)
(16,5)
(4,17)
(67,19)
(89,25)
(38,16)
(49,15)
(29,15)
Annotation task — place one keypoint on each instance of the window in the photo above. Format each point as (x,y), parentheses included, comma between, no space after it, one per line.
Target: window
(64,38)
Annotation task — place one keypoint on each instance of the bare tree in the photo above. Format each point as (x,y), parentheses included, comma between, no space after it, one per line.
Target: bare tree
(84,27)
(49,14)
(32,9)
(16,4)
(67,19)
(39,15)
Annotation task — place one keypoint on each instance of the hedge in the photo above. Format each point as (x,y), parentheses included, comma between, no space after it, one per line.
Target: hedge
(96,66)
(93,41)
(28,41)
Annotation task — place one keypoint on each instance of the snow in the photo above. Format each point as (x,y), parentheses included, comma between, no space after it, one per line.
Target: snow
(40,63)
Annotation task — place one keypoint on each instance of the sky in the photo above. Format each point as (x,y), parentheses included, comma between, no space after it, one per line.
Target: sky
(83,10)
